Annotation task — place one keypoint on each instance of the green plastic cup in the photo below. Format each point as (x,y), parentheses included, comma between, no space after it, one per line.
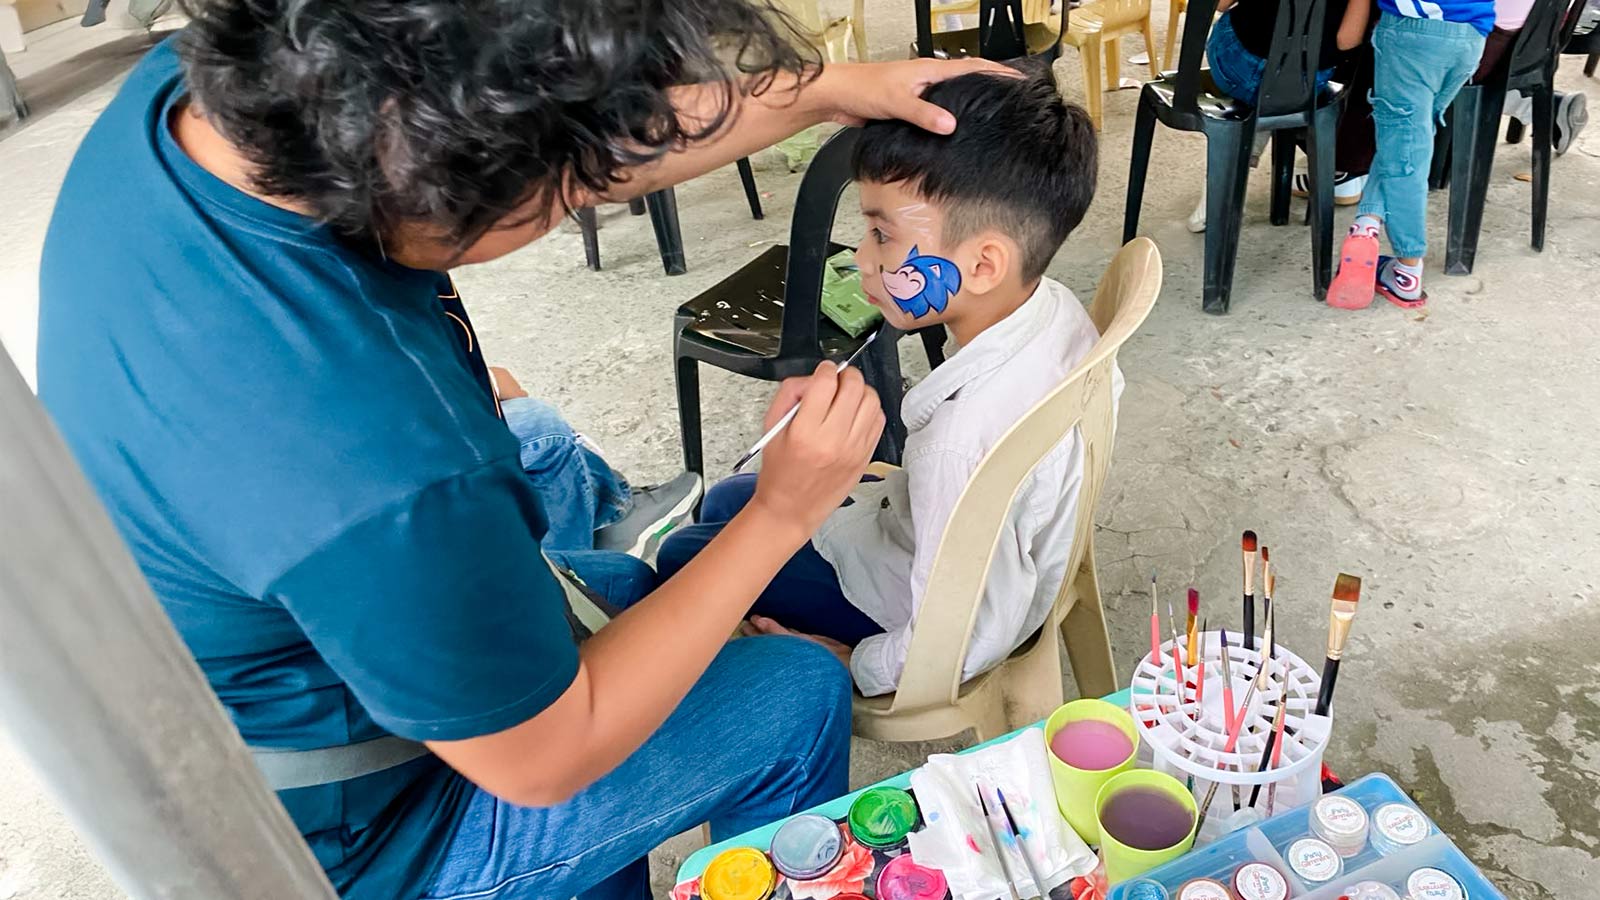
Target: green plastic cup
(1124,862)
(1076,789)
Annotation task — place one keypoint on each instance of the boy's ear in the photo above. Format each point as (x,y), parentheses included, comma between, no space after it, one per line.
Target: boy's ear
(993,260)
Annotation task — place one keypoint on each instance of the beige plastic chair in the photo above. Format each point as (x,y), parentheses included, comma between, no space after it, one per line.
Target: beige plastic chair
(831,36)
(932,702)
(1174,13)
(1096,29)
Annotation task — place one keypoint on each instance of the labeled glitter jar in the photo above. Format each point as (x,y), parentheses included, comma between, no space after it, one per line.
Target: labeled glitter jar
(742,873)
(1260,881)
(1204,889)
(1434,884)
(1341,822)
(881,818)
(1370,890)
(1314,861)
(1396,826)
(807,847)
(1145,889)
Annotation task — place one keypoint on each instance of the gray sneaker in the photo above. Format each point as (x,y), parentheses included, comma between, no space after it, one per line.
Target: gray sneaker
(1572,113)
(657,510)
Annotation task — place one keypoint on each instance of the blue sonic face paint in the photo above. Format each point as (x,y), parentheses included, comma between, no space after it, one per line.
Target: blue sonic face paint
(922,284)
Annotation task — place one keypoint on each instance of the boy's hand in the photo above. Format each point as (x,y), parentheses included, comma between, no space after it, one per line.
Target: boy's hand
(763,625)
(811,466)
(857,92)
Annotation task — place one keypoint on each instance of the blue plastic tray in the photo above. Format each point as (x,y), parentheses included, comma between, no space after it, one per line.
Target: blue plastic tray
(1267,842)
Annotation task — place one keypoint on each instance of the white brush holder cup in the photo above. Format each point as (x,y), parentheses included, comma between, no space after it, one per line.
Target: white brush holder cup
(1187,740)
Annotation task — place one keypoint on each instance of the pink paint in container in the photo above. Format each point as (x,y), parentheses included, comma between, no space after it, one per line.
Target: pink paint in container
(903,879)
(1091,744)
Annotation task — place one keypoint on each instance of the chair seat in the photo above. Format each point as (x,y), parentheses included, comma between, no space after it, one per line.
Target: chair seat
(1217,105)
(742,315)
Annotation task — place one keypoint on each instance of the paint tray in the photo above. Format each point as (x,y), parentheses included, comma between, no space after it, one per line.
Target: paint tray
(1269,842)
(843,301)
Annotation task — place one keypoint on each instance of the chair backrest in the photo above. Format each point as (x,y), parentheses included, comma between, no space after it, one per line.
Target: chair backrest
(1533,57)
(1289,83)
(1002,27)
(943,629)
(1192,53)
(809,236)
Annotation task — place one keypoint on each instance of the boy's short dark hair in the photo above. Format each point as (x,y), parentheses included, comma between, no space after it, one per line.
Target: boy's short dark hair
(1022,161)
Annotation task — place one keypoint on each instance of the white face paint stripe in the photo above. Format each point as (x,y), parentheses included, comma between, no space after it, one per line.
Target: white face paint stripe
(920,221)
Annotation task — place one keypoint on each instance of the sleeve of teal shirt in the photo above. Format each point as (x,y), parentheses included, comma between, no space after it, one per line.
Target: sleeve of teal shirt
(438,610)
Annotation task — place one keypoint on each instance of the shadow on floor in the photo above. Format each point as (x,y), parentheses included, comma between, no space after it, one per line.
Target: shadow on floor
(54,87)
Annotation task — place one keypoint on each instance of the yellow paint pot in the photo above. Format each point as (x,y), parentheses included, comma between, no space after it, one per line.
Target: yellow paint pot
(743,873)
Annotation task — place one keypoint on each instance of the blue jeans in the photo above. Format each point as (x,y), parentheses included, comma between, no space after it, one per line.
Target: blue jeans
(1237,71)
(579,492)
(763,734)
(805,594)
(1419,67)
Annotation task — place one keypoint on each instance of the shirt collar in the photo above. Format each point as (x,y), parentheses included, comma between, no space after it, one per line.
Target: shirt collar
(987,352)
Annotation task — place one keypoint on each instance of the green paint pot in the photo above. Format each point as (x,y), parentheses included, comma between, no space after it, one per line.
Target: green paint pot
(881,818)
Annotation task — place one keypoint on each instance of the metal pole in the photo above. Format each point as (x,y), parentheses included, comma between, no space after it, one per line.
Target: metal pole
(102,696)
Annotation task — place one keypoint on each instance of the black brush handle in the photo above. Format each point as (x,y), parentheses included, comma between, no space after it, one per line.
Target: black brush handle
(1330,675)
(1249,621)
(1266,756)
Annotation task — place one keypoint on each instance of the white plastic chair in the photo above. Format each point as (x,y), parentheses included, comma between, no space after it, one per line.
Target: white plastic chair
(932,702)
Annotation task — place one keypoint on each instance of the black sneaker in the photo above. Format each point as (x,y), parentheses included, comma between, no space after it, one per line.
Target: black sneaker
(657,510)
(1347,188)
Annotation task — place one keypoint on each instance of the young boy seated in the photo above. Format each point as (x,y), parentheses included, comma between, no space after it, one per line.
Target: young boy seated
(959,230)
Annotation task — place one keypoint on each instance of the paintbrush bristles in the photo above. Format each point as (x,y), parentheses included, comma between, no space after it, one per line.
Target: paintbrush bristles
(1347,588)
(1194,602)
(1249,542)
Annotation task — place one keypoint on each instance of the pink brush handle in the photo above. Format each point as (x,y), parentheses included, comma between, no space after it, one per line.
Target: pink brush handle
(1200,680)
(1177,673)
(1155,643)
(1227,706)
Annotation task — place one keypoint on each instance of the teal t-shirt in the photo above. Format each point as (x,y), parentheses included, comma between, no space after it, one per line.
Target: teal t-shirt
(294,438)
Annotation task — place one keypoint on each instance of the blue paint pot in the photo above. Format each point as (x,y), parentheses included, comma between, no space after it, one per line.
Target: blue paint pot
(807,847)
(1145,889)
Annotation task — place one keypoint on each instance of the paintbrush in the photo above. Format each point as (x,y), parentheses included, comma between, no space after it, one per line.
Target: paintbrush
(1277,753)
(1193,632)
(1200,674)
(1016,831)
(1247,546)
(1227,684)
(1268,583)
(1342,611)
(994,838)
(788,417)
(1268,636)
(1177,658)
(1155,630)
(1275,736)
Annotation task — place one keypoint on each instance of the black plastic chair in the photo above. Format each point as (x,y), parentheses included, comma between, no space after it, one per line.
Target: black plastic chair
(1188,100)
(1474,123)
(1001,33)
(1585,40)
(663,208)
(765,321)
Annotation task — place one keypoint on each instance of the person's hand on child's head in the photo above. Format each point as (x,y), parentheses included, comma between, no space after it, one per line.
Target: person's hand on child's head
(758,625)
(810,467)
(893,90)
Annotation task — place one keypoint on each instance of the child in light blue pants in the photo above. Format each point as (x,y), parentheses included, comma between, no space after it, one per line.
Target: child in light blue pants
(1424,51)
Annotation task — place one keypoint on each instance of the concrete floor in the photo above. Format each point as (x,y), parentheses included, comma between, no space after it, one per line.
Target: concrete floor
(1444,455)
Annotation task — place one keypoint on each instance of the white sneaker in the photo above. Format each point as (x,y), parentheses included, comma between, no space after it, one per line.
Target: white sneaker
(1197,219)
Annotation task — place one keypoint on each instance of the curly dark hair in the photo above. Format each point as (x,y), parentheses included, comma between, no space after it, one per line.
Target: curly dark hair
(453,114)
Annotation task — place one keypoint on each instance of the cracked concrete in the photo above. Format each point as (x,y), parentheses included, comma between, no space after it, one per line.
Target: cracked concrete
(1445,455)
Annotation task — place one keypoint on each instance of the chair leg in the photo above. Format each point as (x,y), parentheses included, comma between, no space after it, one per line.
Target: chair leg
(1283,145)
(1148,30)
(663,207)
(1084,632)
(858,29)
(1092,87)
(751,194)
(1144,134)
(1544,117)
(1590,63)
(881,366)
(1319,204)
(688,384)
(1227,171)
(933,338)
(1173,19)
(636,206)
(589,224)
(1443,143)
(1113,59)
(1475,131)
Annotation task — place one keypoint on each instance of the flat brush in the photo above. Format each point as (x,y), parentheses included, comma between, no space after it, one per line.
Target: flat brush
(1247,546)
(788,417)
(1341,612)
(1194,635)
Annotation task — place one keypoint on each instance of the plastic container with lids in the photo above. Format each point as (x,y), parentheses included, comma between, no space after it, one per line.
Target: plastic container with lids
(1340,821)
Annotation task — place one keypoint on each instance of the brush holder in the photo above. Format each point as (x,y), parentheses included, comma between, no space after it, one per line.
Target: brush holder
(1187,739)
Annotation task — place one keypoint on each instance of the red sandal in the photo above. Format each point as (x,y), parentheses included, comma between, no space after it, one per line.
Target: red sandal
(1357,281)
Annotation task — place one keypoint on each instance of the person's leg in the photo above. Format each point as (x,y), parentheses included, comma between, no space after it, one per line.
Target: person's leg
(764,733)
(722,502)
(579,491)
(621,579)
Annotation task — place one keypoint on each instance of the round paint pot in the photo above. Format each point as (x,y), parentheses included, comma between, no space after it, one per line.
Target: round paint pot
(1341,822)
(1396,826)
(1314,861)
(1371,890)
(1260,881)
(1145,889)
(881,818)
(903,879)
(742,873)
(1204,889)
(807,847)
(1434,884)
